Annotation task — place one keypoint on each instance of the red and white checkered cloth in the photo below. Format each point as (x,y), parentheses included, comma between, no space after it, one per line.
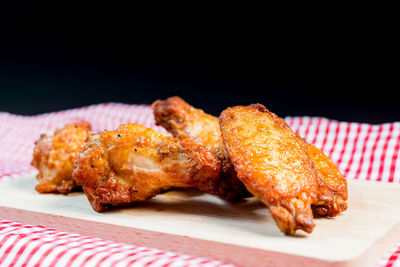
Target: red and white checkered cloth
(362,151)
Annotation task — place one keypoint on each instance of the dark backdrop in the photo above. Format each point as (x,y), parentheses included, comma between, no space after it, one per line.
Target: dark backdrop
(340,72)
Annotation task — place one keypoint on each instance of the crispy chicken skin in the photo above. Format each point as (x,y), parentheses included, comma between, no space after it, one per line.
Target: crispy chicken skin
(186,122)
(54,157)
(332,186)
(135,163)
(272,161)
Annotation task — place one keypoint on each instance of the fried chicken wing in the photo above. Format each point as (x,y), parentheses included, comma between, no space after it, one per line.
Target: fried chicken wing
(272,161)
(54,157)
(186,122)
(332,186)
(135,163)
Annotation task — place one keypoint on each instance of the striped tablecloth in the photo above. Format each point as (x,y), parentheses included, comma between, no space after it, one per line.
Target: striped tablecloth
(362,151)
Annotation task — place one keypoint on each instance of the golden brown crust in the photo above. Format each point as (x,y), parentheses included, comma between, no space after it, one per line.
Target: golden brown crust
(54,157)
(135,163)
(332,186)
(272,161)
(184,121)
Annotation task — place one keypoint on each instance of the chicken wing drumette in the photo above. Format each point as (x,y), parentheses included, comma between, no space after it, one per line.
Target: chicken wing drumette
(135,163)
(332,186)
(186,122)
(272,161)
(54,157)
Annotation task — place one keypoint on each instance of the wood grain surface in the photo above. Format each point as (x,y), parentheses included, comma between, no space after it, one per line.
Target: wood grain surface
(202,225)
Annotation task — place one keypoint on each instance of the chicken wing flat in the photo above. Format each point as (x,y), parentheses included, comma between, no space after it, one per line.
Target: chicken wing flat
(332,186)
(272,161)
(186,122)
(54,157)
(135,163)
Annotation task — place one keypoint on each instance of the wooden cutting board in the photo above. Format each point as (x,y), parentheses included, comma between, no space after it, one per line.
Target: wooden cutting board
(202,225)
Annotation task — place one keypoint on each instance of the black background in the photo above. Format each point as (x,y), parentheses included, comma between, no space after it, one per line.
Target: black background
(302,67)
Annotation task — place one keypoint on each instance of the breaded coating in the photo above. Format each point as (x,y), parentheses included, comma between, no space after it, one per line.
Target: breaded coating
(186,122)
(332,186)
(54,157)
(272,161)
(135,163)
